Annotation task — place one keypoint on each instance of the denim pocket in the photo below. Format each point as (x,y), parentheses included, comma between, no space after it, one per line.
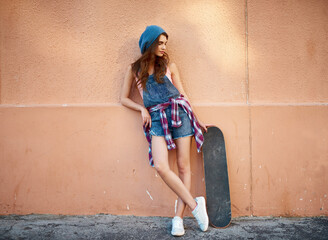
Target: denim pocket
(155,116)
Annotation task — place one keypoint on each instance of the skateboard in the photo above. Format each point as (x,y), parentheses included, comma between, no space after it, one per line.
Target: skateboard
(216,178)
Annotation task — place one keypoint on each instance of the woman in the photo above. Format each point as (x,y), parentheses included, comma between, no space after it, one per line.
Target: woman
(167,116)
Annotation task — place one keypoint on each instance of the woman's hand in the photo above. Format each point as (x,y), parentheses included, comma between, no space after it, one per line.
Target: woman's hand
(203,125)
(146,119)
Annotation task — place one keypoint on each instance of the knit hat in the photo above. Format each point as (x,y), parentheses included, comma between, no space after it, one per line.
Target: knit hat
(149,36)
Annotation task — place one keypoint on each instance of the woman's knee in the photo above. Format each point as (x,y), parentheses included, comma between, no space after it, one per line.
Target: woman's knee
(160,154)
(184,166)
(162,169)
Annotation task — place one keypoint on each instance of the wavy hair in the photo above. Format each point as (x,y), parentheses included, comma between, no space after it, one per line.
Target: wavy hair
(140,67)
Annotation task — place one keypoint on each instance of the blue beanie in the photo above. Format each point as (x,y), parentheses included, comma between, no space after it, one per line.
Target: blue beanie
(149,36)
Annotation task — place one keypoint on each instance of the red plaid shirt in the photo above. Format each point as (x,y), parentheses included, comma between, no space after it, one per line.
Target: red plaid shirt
(176,122)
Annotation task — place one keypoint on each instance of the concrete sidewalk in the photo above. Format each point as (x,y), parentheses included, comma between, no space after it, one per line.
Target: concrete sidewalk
(131,227)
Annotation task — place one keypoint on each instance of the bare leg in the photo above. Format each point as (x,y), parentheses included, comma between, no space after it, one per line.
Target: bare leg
(160,157)
(183,159)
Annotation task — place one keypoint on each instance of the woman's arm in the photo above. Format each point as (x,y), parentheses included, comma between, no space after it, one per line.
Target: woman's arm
(177,83)
(127,102)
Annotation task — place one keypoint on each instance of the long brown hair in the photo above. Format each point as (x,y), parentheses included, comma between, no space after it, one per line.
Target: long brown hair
(140,67)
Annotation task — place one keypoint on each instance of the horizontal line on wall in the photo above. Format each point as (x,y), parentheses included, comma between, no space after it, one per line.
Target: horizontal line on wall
(195,104)
(262,104)
(64,105)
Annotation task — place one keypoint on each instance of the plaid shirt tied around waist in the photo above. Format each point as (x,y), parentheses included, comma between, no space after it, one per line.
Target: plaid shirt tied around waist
(176,122)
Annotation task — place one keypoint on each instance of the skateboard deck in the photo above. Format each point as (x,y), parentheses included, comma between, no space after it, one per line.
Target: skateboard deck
(216,178)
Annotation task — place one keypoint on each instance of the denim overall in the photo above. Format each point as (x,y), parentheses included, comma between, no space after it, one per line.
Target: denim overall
(156,93)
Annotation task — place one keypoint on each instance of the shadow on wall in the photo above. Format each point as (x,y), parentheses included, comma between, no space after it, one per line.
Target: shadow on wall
(210,62)
(129,49)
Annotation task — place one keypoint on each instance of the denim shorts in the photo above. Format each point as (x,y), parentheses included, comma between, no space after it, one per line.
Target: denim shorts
(184,130)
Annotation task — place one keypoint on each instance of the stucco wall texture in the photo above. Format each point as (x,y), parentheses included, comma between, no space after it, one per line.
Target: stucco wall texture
(256,69)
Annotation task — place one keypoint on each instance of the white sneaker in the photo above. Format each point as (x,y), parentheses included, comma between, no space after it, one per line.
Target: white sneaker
(177,226)
(200,213)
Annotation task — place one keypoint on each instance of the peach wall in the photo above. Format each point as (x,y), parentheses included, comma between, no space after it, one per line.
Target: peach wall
(256,69)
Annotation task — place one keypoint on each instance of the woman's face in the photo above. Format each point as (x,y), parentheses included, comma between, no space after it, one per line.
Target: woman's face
(161,47)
